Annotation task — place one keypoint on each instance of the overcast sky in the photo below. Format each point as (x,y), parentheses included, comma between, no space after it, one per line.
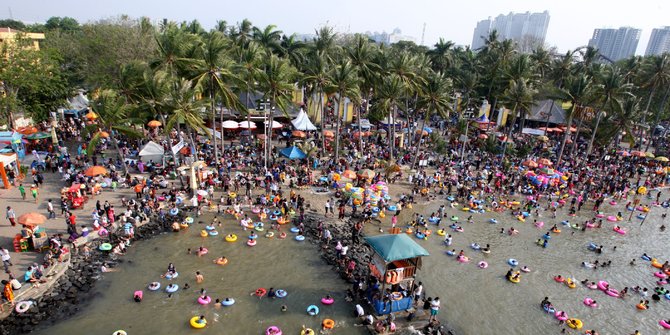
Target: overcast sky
(571,25)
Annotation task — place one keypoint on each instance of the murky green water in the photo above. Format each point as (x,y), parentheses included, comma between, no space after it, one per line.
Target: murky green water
(482,301)
(286,264)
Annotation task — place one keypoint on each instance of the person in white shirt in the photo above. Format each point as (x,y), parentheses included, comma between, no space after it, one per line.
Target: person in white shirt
(434,309)
(6,258)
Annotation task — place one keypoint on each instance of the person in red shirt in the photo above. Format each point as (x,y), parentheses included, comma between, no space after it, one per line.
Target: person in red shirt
(73,219)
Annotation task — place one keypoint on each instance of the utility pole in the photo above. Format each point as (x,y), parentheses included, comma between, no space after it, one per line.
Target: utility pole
(423,33)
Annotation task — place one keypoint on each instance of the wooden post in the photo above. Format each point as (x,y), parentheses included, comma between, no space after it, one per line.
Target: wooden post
(636,201)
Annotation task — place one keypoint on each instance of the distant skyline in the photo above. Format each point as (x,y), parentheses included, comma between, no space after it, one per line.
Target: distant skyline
(571,26)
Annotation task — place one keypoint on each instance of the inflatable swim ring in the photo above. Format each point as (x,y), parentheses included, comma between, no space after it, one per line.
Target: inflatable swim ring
(231,238)
(575,323)
(312,310)
(154,286)
(204,301)
(512,262)
(483,265)
(228,302)
(23,306)
(441,232)
(327,301)
(194,323)
(251,242)
(105,247)
(300,237)
(171,288)
(281,293)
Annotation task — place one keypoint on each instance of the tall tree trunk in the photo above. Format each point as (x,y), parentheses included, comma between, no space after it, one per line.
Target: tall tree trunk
(573,149)
(658,117)
(123,160)
(338,117)
(509,134)
(644,115)
(418,147)
(323,123)
(211,99)
(565,136)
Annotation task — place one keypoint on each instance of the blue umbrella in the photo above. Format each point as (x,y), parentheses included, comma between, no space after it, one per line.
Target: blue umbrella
(292,152)
(428,130)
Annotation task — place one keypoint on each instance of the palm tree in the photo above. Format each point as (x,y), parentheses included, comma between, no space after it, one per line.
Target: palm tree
(173,47)
(242,34)
(520,95)
(248,69)
(361,55)
(276,80)
(344,82)
(389,94)
(268,38)
(215,72)
(656,71)
(542,60)
(316,79)
(434,98)
(441,57)
(292,49)
(577,90)
(611,87)
(113,116)
(185,106)
(325,41)
(622,119)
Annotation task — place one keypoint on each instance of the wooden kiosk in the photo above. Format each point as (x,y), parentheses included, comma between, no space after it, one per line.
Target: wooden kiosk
(395,262)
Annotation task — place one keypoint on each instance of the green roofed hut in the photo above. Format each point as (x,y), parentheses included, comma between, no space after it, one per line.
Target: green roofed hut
(395,262)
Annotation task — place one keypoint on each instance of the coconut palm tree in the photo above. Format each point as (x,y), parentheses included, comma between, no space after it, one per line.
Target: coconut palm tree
(521,96)
(185,105)
(276,81)
(248,69)
(622,120)
(389,94)
(213,70)
(441,57)
(611,86)
(343,81)
(174,46)
(434,98)
(292,49)
(577,90)
(316,79)
(656,74)
(113,117)
(269,38)
(361,54)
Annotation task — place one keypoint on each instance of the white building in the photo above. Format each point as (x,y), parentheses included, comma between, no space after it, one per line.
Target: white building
(616,44)
(659,42)
(522,27)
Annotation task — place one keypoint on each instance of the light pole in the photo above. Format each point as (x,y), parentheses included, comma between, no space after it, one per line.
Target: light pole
(263,105)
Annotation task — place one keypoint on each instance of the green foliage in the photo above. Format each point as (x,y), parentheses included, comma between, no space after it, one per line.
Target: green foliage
(9,23)
(94,53)
(62,23)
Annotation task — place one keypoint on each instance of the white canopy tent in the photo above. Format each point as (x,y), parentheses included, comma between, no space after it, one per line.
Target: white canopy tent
(152,151)
(302,122)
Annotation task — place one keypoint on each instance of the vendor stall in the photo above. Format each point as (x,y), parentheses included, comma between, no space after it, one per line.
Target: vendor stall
(395,262)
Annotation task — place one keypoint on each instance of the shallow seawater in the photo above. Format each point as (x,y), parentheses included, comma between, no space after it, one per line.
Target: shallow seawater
(283,264)
(482,301)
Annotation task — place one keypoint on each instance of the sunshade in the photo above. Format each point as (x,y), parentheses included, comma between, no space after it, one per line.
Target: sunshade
(366,173)
(292,152)
(395,247)
(230,125)
(32,219)
(154,123)
(247,125)
(298,133)
(95,171)
(349,174)
(530,163)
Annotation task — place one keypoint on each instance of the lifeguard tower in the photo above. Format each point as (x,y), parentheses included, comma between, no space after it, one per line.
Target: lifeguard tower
(395,262)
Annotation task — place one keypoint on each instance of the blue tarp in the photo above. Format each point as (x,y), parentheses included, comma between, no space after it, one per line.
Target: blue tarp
(395,247)
(292,153)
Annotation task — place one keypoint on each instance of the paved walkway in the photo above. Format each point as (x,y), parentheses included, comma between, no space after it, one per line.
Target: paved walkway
(21,260)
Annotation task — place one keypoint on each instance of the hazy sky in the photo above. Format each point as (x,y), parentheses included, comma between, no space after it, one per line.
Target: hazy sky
(571,25)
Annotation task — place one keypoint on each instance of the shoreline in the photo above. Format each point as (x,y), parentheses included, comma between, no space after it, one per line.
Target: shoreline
(62,300)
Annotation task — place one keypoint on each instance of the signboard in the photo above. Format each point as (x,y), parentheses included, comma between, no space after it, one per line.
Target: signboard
(532,131)
(178,146)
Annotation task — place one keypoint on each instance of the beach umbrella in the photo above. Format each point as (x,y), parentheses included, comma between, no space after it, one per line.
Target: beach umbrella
(483,136)
(662,159)
(32,219)
(530,163)
(422,132)
(298,133)
(637,153)
(543,138)
(275,124)
(202,192)
(366,173)
(428,130)
(261,136)
(393,168)
(349,174)
(95,171)
(27,130)
(623,153)
(104,134)
(154,124)
(545,161)
(649,155)
(328,133)
(247,125)
(230,125)
(91,116)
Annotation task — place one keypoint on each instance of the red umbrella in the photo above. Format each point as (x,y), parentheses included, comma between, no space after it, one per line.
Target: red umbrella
(530,163)
(483,136)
